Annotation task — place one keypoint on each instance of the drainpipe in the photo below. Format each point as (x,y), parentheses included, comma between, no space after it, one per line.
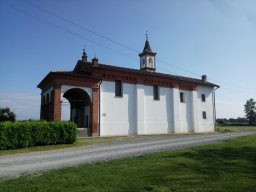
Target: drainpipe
(214,108)
(99,106)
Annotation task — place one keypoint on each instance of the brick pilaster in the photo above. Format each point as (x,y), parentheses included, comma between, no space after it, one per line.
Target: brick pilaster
(42,108)
(95,110)
(56,103)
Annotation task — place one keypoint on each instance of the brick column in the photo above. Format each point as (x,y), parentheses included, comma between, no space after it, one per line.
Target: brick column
(42,108)
(56,103)
(95,110)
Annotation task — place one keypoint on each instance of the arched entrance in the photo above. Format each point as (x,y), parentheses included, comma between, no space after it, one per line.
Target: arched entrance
(80,107)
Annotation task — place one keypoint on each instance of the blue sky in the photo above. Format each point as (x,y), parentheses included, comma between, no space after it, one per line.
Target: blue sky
(192,38)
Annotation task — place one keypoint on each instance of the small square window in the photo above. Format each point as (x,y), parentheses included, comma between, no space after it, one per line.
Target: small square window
(203,97)
(204,114)
(156,92)
(182,99)
(118,88)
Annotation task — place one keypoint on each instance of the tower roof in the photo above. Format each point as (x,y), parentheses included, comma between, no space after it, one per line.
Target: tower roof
(147,47)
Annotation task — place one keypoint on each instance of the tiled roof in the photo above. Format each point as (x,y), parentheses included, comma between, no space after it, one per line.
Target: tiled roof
(146,73)
(82,67)
(155,74)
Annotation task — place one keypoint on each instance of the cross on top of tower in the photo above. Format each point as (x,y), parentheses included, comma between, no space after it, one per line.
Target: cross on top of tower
(84,48)
(146,34)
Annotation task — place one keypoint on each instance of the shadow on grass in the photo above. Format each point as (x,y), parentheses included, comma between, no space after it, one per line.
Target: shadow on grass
(215,169)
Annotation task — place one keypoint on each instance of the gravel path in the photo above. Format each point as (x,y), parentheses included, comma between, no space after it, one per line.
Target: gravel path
(16,165)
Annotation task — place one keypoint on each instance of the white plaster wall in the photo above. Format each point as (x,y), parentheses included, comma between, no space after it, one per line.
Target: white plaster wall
(140,120)
(185,113)
(117,114)
(158,113)
(138,113)
(205,125)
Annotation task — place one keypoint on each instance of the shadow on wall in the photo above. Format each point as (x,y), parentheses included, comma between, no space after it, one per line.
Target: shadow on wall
(132,112)
(170,115)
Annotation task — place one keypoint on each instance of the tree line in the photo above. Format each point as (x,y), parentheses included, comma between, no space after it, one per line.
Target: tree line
(232,121)
(250,111)
(249,119)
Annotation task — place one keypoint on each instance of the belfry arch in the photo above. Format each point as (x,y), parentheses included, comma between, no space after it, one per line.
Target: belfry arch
(80,107)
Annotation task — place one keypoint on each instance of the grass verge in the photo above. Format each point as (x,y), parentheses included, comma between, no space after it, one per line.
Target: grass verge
(226,166)
(79,143)
(83,142)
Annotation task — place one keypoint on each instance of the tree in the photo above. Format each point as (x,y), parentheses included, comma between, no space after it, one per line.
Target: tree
(7,115)
(250,111)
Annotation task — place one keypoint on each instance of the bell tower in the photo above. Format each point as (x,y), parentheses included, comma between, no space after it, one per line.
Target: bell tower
(147,58)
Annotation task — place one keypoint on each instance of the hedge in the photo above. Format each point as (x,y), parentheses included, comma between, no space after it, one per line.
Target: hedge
(25,134)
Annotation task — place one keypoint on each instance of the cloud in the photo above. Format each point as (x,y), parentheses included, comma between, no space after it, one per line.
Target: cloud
(25,105)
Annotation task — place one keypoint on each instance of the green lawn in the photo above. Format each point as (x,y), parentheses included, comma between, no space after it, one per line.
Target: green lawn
(227,166)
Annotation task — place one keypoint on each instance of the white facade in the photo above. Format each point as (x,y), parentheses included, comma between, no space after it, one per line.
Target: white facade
(137,113)
(117,114)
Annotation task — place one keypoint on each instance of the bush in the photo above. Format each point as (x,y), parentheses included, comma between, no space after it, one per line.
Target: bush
(7,115)
(25,134)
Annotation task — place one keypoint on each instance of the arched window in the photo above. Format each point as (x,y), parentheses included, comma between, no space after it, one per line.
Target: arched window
(150,64)
(143,63)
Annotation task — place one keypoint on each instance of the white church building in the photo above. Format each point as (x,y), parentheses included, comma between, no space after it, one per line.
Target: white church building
(110,101)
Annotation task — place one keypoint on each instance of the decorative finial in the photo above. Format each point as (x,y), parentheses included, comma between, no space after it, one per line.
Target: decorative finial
(84,48)
(84,56)
(146,35)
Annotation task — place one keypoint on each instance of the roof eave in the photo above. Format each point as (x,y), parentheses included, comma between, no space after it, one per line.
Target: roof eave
(44,79)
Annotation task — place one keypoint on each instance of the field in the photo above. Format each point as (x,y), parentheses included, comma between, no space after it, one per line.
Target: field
(236,128)
(226,166)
